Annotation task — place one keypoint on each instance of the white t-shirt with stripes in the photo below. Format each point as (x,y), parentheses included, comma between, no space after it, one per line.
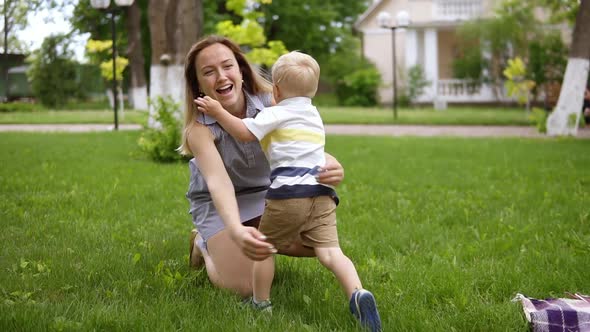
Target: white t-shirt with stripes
(292,137)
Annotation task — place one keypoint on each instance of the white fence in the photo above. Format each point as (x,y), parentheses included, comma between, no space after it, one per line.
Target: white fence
(457,9)
(462,91)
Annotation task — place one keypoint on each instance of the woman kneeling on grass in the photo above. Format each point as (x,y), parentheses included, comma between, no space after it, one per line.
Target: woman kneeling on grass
(229,179)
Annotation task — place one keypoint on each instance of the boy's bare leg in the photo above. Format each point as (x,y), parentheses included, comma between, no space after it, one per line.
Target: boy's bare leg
(342,267)
(263,274)
(361,302)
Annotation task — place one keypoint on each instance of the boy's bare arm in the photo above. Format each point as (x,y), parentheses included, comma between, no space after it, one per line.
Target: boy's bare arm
(235,127)
(232,124)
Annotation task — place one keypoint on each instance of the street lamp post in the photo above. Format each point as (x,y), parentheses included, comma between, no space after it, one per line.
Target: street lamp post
(384,21)
(105,5)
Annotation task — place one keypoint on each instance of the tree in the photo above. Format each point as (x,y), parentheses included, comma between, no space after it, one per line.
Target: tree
(175,25)
(547,61)
(14,14)
(138,89)
(51,64)
(561,10)
(316,27)
(565,118)
(327,35)
(500,38)
(354,78)
(250,34)
(100,53)
(132,36)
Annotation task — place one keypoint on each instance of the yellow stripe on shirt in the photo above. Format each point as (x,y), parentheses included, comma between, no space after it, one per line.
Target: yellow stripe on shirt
(285,135)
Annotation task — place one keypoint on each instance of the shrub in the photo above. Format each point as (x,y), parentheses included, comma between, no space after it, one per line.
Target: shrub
(359,88)
(539,117)
(416,82)
(403,100)
(160,143)
(19,107)
(355,79)
(469,64)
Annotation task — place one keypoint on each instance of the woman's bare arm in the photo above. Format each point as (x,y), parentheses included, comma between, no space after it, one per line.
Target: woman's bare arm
(249,239)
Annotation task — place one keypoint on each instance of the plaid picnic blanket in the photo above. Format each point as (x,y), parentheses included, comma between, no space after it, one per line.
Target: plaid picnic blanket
(549,315)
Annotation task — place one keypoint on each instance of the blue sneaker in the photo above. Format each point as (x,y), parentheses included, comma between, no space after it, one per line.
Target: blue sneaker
(264,306)
(364,308)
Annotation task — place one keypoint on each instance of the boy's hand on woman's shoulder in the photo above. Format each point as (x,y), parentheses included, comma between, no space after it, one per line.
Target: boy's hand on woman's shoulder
(208,106)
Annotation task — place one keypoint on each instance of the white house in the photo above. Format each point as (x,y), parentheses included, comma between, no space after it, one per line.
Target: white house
(429,41)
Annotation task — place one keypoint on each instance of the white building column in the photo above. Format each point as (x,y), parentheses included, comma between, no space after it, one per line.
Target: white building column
(411,48)
(431,61)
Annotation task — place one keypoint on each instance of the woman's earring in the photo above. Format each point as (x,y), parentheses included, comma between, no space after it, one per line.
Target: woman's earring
(201,94)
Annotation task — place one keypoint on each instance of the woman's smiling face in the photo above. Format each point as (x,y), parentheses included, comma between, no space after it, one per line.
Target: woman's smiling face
(219,77)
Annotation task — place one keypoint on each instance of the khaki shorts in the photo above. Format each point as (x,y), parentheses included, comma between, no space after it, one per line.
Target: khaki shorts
(312,220)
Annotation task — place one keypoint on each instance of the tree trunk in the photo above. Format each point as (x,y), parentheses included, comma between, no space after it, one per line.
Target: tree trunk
(5,14)
(565,118)
(138,89)
(175,26)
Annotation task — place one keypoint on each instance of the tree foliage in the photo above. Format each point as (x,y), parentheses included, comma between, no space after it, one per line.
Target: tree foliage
(316,27)
(249,33)
(355,79)
(516,83)
(323,29)
(416,82)
(515,30)
(547,59)
(53,72)
(561,10)
(103,48)
(265,29)
(14,18)
(97,23)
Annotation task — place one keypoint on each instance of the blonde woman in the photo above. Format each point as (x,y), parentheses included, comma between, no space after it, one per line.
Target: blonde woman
(229,179)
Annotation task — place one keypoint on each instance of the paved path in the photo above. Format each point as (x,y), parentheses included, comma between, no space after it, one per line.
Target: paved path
(373,130)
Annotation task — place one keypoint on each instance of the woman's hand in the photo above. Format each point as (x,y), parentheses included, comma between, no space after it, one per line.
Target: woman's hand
(252,243)
(332,173)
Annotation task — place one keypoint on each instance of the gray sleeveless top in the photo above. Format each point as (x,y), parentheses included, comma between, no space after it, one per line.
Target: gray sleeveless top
(246,166)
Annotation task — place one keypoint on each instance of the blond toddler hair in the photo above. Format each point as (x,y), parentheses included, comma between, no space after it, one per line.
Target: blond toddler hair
(296,74)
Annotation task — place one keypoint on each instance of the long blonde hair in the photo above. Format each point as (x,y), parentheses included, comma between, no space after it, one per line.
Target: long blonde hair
(254,83)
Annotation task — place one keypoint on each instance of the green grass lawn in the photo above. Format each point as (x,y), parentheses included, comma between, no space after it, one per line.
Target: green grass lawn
(330,114)
(427,116)
(73,117)
(444,231)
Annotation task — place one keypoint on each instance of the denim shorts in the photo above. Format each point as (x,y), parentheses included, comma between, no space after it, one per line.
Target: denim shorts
(208,222)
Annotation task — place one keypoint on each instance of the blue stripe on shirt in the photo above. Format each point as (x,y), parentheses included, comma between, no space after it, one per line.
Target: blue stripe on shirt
(293,172)
(301,191)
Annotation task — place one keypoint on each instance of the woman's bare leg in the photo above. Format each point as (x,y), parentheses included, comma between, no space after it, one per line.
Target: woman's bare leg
(226,266)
